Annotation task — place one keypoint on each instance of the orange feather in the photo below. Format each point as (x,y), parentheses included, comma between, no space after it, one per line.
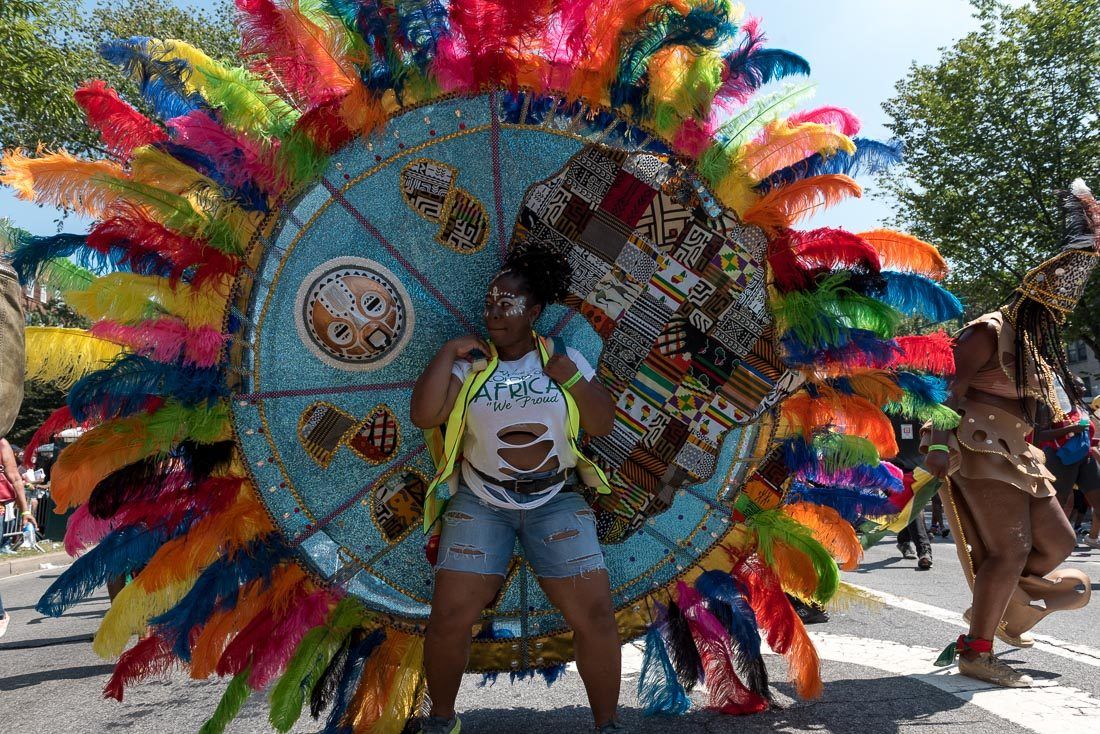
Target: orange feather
(905,252)
(852,415)
(783,145)
(379,675)
(831,530)
(63,180)
(800,200)
(255,598)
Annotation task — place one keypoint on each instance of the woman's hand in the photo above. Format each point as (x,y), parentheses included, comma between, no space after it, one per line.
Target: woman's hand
(936,463)
(463,346)
(30,519)
(1095,453)
(560,368)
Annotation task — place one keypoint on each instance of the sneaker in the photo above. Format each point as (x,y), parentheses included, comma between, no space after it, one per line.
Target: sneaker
(945,531)
(439,725)
(988,667)
(924,562)
(612,727)
(906,551)
(1091,543)
(4,624)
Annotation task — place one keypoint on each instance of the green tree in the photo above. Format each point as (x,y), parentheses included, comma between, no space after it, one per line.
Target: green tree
(49,47)
(1007,116)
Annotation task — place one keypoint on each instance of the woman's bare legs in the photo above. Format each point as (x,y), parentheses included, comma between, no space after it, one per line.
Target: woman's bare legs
(1052,537)
(585,602)
(457,603)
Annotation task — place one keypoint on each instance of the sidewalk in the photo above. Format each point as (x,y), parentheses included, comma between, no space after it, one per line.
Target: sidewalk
(13,566)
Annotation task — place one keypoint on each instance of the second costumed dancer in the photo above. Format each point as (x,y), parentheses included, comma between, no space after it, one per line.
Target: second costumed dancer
(1009,529)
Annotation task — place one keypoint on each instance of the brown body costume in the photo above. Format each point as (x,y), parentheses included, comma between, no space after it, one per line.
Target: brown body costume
(991,460)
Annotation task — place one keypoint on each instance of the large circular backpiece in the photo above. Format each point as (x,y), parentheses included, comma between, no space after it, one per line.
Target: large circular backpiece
(388,255)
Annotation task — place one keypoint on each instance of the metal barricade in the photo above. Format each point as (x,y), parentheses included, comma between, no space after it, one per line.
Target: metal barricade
(14,526)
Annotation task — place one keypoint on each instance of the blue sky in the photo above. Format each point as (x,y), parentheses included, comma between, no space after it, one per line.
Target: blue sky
(858,50)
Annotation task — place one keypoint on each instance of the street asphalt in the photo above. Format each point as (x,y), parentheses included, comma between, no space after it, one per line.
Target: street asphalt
(876,667)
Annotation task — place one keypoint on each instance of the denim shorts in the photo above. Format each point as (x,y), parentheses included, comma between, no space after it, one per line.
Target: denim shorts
(559,539)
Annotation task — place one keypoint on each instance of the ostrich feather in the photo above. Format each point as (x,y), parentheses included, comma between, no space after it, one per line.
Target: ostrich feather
(83,530)
(789,205)
(831,530)
(167,340)
(60,355)
(799,559)
(231,703)
(915,295)
(841,118)
(62,180)
(866,157)
(149,657)
(161,83)
(781,145)
(659,692)
(904,252)
(798,258)
(120,126)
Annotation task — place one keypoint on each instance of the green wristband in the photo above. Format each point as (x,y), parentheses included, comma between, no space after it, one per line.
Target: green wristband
(939,447)
(572,380)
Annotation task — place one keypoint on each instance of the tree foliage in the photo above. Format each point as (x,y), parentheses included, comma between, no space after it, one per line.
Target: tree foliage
(1006,117)
(49,47)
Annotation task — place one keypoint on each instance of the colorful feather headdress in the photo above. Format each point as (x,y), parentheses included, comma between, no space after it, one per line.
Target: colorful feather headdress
(186,207)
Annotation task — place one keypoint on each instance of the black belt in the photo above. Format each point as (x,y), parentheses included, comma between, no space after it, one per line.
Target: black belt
(529,483)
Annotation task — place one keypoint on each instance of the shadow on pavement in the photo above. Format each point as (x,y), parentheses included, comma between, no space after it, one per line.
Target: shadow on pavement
(48,642)
(14,682)
(848,706)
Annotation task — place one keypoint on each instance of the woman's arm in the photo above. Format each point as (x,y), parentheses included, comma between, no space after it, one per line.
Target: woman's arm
(11,471)
(973,349)
(596,404)
(437,389)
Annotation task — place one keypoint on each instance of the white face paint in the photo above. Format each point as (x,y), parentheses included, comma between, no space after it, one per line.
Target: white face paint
(510,304)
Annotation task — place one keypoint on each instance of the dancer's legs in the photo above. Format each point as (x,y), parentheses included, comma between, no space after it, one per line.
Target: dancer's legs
(585,602)
(1052,536)
(1002,515)
(457,602)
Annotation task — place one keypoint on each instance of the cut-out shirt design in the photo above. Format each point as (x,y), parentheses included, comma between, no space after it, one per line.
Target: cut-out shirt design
(518,408)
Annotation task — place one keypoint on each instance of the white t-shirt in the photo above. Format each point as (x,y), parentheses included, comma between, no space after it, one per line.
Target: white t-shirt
(518,398)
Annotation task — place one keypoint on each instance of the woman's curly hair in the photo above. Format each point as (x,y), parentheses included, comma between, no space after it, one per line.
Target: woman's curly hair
(544,273)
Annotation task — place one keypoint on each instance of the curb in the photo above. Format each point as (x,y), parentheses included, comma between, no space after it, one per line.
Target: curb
(32,563)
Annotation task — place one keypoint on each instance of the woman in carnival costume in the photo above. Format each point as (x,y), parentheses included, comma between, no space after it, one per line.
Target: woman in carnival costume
(279,254)
(516,477)
(1010,530)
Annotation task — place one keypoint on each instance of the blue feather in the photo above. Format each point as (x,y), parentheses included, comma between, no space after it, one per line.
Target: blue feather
(856,345)
(850,503)
(423,25)
(858,477)
(249,195)
(120,552)
(871,157)
(31,254)
(828,452)
(759,66)
(930,389)
(552,674)
(659,691)
(349,681)
(916,295)
(160,82)
(125,387)
(217,588)
(726,601)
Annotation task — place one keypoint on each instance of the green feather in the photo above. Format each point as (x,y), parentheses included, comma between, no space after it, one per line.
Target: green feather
(843,451)
(822,315)
(910,406)
(232,701)
(772,527)
(310,660)
(744,126)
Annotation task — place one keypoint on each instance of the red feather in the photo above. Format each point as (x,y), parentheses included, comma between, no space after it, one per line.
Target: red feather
(305,56)
(784,630)
(487,42)
(325,126)
(121,127)
(725,691)
(842,119)
(933,353)
(797,258)
(166,340)
(58,421)
(140,236)
(151,656)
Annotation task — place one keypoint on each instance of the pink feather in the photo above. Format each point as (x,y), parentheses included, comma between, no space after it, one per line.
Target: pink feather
(842,119)
(694,137)
(487,42)
(83,531)
(166,340)
(725,691)
(58,421)
(268,662)
(241,158)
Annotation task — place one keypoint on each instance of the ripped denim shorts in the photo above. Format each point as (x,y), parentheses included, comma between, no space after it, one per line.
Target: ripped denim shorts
(559,539)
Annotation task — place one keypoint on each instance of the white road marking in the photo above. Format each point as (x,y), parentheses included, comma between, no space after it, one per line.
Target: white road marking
(1045,708)
(1044,643)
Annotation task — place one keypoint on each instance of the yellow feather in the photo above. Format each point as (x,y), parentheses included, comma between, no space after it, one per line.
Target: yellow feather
(783,145)
(131,611)
(381,672)
(62,356)
(131,298)
(403,690)
(848,596)
(63,180)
